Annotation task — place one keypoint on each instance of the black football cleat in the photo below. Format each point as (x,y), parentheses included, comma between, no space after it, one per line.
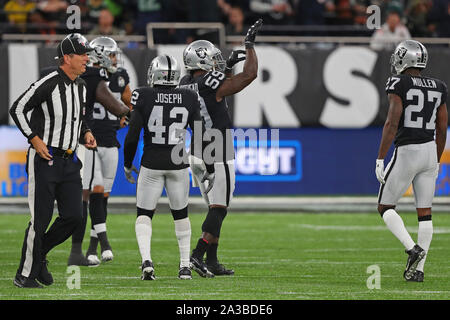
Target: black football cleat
(44,276)
(219,269)
(415,255)
(185,273)
(200,267)
(24,282)
(417,276)
(148,271)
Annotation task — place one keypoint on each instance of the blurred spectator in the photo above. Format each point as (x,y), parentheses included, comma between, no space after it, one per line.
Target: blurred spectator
(116,9)
(235,25)
(440,18)
(94,9)
(225,7)
(52,10)
(312,12)
(272,11)
(392,31)
(417,15)
(360,11)
(344,12)
(17,12)
(148,11)
(105,26)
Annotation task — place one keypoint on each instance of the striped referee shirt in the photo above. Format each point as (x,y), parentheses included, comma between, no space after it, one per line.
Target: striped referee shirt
(53,109)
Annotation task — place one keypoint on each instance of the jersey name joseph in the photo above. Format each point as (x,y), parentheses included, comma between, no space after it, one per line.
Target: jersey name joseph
(163,112)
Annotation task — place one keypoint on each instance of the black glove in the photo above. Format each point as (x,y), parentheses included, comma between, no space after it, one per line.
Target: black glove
(127,118)
(234,58)
(251,34)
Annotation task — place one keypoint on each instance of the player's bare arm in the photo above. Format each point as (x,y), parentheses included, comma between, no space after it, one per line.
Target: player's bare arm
(107,99)
(236,83)
(391,124)
(441,129)
(126,96)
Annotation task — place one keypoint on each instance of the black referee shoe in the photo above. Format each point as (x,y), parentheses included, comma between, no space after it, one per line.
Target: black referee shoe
(24,282)
(415,255)
(219,269)
(45,277)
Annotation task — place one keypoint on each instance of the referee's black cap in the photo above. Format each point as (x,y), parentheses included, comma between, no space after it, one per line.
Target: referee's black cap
(73,43)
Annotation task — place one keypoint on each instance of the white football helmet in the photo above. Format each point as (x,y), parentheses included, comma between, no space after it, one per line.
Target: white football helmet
(408,54)
(105,48)
(164,70)
(203,55)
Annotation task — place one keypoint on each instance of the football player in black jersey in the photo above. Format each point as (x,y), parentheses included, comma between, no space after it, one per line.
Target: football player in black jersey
(96,79)
(417,124)
(104,126)
(211,77)
(162,110)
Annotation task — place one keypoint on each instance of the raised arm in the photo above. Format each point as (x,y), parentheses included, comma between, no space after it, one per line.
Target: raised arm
(236,83)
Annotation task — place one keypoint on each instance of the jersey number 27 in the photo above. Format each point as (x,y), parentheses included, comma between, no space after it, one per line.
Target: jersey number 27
(417,108)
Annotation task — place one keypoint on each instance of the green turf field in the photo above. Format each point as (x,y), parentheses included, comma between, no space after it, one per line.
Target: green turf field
(275,256)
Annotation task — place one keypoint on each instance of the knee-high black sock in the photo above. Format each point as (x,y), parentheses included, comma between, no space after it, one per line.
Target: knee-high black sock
(200,249)
(96,206)
(105,206)
(78,235)
(211,253)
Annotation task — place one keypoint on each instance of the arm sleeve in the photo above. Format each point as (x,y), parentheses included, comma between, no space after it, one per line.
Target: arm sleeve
(29,100)
(132,138)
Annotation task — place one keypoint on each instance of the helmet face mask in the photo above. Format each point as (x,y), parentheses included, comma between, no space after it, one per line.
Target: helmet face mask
(203,55)
(164,70)
(408,54)
(106,53)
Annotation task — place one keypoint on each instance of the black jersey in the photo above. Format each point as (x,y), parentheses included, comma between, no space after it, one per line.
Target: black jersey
(160,111)
(92,76)
(105,124)
(215,114)
(421,96)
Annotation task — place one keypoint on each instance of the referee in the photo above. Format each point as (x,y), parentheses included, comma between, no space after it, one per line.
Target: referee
(49,114)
